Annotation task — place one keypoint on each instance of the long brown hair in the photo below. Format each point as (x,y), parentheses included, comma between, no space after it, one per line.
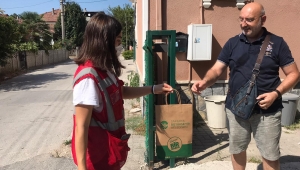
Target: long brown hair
(99,43)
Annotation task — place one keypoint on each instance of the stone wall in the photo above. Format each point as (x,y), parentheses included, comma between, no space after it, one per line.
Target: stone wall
(41,58)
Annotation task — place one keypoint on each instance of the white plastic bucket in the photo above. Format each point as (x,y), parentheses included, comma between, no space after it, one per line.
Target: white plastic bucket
(215,108)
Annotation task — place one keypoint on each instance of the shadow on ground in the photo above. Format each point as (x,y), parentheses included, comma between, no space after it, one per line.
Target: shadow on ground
(24,80)
(31,81)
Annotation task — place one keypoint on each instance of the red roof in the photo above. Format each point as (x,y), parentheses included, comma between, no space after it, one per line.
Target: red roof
(4,15)
(51,16)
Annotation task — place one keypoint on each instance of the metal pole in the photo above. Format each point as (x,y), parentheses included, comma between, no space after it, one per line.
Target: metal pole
(62,20)
(171,74)
(126,30)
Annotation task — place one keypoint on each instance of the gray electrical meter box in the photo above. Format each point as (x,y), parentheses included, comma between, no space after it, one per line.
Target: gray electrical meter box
(199,42)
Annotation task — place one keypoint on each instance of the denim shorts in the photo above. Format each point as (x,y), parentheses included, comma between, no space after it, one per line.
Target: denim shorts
(266,129)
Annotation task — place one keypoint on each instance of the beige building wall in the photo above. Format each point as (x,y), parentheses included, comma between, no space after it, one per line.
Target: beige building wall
(139,36)
(282,19)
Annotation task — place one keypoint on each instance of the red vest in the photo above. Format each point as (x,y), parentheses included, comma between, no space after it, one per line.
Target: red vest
(105,149)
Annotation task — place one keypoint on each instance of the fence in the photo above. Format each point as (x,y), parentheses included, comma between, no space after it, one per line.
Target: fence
(32,60)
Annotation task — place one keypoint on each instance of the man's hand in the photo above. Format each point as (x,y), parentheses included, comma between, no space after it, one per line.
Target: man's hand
(266,99)
(210,77)
(199,86)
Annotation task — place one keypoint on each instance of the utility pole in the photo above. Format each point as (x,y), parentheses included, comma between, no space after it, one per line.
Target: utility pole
(62,13)
(126,30)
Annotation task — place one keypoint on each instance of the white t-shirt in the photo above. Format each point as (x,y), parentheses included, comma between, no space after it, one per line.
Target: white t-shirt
(86,92)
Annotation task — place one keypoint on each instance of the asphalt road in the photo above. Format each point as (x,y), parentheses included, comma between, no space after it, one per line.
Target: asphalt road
(36,118)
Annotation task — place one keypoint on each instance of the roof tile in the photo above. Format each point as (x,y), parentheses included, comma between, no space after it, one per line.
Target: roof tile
(51,16)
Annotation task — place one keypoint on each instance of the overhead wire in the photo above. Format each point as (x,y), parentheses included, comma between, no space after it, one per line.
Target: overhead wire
(29,5)
(90,1)
(50,1)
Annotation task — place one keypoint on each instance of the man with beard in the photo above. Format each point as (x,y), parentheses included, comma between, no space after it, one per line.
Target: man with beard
(240,54)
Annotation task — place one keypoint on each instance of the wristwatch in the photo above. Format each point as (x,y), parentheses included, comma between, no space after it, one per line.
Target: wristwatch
(278,93)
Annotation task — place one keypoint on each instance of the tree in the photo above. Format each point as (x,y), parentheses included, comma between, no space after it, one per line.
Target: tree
(15,16)
(75,24)
(125,16)
(36,32)
(10,37)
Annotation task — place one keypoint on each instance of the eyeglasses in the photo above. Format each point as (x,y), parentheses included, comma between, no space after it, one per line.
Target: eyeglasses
(247,20)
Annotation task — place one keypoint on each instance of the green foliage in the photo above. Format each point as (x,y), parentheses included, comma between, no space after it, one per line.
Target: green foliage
(134,81)
(68,44)
(32,34)
(67,142)
(35,32)
(28,46)
(255,160)
(10,37)
(75,24)
(14,15)
(125,16)
(128,55)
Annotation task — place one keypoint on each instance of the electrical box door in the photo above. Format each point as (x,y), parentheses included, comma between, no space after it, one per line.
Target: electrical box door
(199,42)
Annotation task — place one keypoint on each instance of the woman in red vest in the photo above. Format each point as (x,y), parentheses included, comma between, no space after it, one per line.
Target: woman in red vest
(99,139)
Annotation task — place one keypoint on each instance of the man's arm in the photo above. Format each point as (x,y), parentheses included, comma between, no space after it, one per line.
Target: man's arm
(210,77)
(292,77)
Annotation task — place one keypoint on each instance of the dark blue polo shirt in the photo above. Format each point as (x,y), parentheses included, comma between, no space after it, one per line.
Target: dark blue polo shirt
(240,55)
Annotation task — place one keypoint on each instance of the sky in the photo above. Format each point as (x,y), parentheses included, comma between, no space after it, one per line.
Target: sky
(42,6)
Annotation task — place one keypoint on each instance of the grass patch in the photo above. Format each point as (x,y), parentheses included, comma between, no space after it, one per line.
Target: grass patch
(137,124)
(67,142)
(296,124)
(255,160)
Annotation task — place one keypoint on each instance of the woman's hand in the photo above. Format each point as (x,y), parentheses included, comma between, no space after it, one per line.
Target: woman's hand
(162,89)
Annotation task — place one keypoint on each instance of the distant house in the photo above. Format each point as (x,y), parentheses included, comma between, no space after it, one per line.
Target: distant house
(50,18)
(89,14)
(6,15)
(19,20)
